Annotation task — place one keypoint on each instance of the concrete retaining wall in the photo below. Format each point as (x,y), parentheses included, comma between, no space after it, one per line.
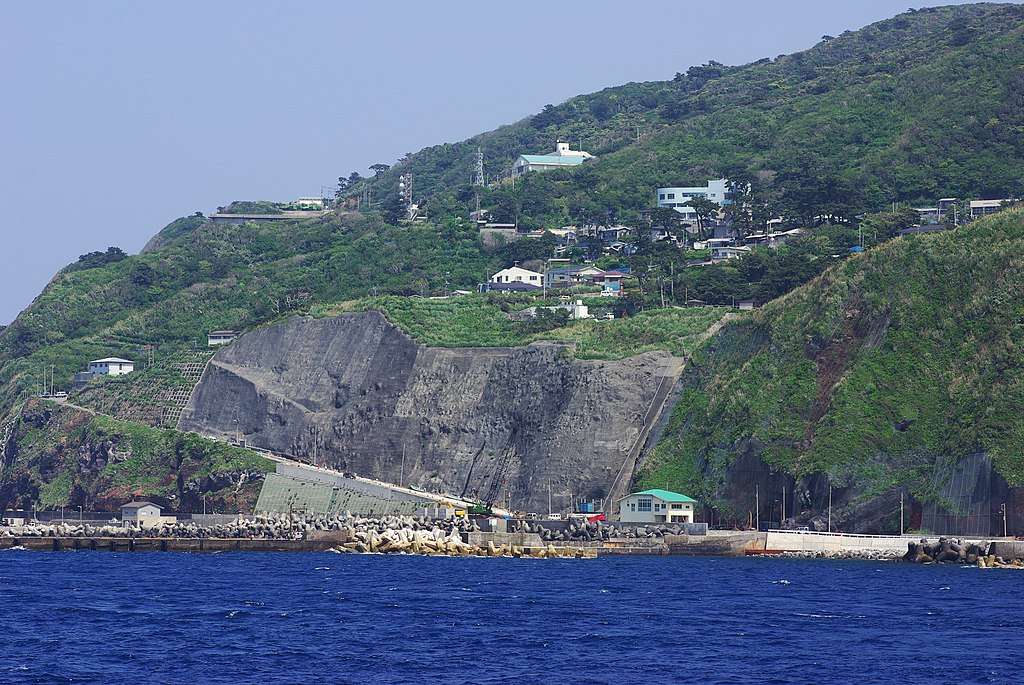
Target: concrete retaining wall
(809,541)
(1007,549)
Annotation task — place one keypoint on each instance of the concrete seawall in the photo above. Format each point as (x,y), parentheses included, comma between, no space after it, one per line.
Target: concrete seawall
(51,544)
(810,541)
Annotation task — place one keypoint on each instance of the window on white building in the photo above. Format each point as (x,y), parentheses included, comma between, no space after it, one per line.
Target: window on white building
(643,505)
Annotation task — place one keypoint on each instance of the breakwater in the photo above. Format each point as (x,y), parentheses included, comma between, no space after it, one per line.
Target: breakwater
(1006,554)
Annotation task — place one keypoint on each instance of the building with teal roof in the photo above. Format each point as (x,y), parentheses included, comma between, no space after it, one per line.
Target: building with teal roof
(656,506)
(562,158)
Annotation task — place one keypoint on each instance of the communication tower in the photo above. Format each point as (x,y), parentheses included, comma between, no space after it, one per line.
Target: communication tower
(478,175)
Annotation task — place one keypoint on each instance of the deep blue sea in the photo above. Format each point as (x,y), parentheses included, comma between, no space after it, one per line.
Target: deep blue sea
(98,617)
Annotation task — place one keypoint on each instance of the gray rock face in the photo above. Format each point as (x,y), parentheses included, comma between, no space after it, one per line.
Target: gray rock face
(501,424)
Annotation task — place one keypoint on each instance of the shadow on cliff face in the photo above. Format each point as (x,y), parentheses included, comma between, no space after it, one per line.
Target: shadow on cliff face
(356,393)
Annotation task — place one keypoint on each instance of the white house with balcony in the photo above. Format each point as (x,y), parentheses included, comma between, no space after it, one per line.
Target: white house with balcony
(111,366)
(656,506)
(677,197)
(562,158)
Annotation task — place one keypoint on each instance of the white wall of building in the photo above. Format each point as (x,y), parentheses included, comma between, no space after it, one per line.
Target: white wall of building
(517,274)
(111,368)
(640,508)
(677,197)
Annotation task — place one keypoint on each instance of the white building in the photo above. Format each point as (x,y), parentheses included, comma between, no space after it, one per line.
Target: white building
(309,203)
(111,366)
(517,274)
(215,338)
(563,157)
(677,197)
(577,310)
(140,513)
(656,506)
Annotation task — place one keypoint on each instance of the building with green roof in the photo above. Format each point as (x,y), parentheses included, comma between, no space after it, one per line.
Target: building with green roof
(563,157)
(656,506)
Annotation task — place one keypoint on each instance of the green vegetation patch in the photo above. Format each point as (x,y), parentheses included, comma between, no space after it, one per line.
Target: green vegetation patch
(484,321)
(871,373)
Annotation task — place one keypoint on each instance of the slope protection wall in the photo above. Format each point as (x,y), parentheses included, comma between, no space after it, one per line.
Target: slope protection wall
(506,425)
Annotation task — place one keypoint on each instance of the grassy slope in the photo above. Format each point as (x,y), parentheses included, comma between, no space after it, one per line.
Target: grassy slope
(65,457)
(869,373)
(477,321)
(927,104)
(222,276)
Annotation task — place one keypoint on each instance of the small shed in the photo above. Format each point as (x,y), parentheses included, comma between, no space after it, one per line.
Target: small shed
(140,512)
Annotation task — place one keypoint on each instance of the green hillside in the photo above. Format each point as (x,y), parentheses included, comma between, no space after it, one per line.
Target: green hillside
(898,360)
(202,276)
(927,104)
(65,457)
(924,105)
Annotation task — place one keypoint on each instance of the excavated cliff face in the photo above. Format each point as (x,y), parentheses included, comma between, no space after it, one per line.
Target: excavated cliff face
(501,424)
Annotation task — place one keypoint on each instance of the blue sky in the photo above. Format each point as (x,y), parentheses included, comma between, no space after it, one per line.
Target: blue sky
(120,116)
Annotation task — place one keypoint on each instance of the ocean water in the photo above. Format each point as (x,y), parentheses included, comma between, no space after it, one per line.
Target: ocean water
(98,617)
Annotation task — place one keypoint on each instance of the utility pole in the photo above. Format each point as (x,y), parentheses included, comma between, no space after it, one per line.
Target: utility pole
(901,512)
(401,474)
(757,505)
(783,506)
(830,505)
(1002,508)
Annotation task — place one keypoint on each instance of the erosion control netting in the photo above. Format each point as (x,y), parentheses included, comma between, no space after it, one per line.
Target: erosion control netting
(965,493)
(283,494)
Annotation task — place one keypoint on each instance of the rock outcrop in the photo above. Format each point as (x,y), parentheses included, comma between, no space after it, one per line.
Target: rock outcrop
(501,424)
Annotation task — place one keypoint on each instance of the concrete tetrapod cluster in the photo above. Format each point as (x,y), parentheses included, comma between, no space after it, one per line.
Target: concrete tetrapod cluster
(950,550)
(389,534)
(260,526)
(438,542)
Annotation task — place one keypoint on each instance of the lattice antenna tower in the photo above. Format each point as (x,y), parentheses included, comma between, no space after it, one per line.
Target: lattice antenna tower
(478,173)
(405,189)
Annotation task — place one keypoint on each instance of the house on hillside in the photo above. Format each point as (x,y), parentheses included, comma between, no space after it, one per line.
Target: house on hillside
(611,283)
(517,274)
(562,158)
(576,310)
(656,506)
(721,253)
(981,208)
(677,197)
(215,338)
(572,275)
(111,366)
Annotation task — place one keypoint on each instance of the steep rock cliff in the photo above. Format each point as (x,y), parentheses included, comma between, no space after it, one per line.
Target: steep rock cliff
(501,424)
